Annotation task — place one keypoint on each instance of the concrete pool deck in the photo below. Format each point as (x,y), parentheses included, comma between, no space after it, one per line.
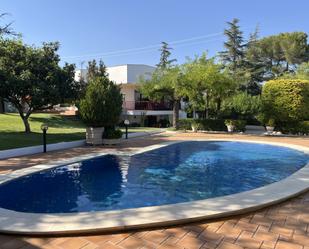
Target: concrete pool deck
(281,226)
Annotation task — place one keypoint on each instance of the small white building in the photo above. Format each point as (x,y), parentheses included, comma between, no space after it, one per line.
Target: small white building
(136,108)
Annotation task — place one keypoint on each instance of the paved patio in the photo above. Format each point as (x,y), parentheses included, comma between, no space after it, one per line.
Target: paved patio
(285,225)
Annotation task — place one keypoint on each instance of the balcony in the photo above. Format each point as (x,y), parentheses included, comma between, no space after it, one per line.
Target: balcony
(147,105)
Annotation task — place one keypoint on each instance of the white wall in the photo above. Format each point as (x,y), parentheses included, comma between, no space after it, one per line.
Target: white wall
(123,74)
(118,74)
(136,71)
(80,73)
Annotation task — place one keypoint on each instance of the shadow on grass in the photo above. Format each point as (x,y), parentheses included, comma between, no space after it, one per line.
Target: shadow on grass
(59,121)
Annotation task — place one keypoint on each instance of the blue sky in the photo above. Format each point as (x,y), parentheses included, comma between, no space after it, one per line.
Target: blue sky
(130,31)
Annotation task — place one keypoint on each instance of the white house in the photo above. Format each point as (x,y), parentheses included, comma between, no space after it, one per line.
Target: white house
(136,108)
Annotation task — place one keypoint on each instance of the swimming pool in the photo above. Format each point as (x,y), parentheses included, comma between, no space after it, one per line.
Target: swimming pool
(177,173)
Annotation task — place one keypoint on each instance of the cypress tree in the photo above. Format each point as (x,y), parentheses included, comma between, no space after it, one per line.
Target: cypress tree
(165,62)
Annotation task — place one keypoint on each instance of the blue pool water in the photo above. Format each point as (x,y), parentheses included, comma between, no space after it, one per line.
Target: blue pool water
(180,172)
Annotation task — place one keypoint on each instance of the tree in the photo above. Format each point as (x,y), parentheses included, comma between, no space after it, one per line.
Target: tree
(233,56)
(31,79)
(6,29)
(242,105)
(253,66)
(280,54)
(165,84)
(94,70)
(165,62)
(302,71)
(206,84)
(102,104)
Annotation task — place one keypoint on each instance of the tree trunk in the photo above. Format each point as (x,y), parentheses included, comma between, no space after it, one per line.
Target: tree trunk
(175,113)
(26,124)
(218,104)
(206,106)
(25,119)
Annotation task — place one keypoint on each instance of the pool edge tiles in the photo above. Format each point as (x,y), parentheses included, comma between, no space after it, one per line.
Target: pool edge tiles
(145,217)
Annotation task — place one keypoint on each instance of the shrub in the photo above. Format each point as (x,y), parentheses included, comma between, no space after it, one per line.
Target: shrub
(241,105)
(295,128)
(202,124)
(111,133)
(285,101)
(240,125)
(184,124)
(102,105)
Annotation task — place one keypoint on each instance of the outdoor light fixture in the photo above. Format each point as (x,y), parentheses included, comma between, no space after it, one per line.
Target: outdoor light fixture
(44,128)
(126,123)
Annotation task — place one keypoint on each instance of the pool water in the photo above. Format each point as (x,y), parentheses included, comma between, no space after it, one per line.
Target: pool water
(180,172)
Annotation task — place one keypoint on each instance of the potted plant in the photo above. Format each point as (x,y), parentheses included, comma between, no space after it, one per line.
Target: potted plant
(112,136)
(101,107)
(230,124)
(270,125)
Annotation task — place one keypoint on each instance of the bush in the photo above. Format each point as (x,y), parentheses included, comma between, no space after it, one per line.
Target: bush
(184,124)
(295,128)
(112,133)
(285,101)
(241,105)
(202,124)
(240,125)
(102,105)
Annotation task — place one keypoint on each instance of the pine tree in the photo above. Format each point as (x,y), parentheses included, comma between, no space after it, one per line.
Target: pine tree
(94,70)
(233,56)
(164,58)
(253,66)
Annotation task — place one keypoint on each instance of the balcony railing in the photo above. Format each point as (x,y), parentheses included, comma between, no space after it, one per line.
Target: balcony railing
(147,105)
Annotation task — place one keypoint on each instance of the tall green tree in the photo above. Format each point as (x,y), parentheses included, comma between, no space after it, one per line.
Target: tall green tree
(167,84)
(281,53)
(206,84)
(165,60)
(233,56)
(95,69)
(31,79)
(102,104)
(253,66)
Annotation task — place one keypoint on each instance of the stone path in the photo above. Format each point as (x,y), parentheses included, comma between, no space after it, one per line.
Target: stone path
(283,226)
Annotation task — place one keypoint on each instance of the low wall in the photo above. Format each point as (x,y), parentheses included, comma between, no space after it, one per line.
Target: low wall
(39,149)
(59,146)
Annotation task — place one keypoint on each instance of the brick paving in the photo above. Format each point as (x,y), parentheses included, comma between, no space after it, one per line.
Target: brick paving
(282,226)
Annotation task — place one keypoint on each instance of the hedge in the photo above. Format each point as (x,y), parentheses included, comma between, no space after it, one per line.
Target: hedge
(295,128)
(286,100)
(203,124)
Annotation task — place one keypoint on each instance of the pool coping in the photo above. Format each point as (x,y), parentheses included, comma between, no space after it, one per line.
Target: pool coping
(154,216)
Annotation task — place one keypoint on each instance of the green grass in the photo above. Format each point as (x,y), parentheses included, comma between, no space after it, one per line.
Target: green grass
(61,129)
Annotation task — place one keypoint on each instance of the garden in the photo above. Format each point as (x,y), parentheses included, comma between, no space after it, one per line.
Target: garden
(254,81)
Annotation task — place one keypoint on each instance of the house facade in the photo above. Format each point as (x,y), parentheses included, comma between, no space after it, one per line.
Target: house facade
(136,108)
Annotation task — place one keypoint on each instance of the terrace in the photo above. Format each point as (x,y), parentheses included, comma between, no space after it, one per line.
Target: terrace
(284,225)
(147,105)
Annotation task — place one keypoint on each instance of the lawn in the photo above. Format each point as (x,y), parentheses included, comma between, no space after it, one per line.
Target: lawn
(61,129)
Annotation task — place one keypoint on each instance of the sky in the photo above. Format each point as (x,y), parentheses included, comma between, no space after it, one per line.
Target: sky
(130,31)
